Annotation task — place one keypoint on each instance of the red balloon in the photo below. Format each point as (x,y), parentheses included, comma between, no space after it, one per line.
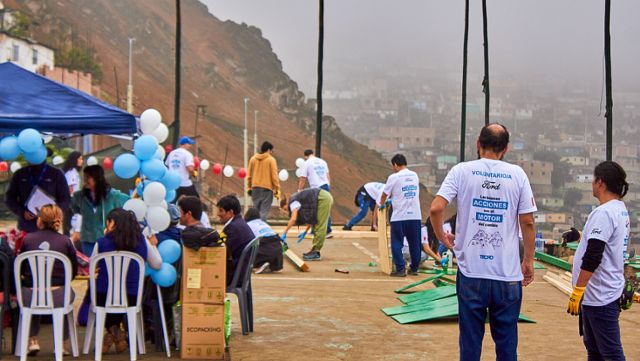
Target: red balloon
(168,148)
(196,162)
(4,166)
(107,163)
(217,168)
(242,173)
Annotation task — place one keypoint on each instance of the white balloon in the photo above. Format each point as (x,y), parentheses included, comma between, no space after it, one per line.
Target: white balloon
(299,173)
(15,166)
(146,232)
(57,160)
(204,165)
(47,138)
(228,171)
(149,120)
(137,206)
(158,219)
(164,205)
(154,194)
(162,151)
(283,175)
(92,160)
(299,162)
(161,133)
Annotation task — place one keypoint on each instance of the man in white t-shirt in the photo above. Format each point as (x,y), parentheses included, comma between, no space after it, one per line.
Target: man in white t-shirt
(316,171)
(367,197)
(181,161)
(403,189)
(493,198)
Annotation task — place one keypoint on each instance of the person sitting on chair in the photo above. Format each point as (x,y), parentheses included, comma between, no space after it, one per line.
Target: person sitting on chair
(47,238)
(237,231)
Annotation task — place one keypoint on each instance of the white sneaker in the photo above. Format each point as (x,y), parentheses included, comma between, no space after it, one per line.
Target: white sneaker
(263,269)
(34,347)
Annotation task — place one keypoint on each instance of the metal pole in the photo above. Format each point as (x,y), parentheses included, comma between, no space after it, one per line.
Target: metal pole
(246,155)
(255,131)
(319,88)
(607,64)
(200,109)
(176,101)
(463,112)
(130,84)
(485,82)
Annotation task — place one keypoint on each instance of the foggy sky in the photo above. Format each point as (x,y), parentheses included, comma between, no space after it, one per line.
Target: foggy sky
(561,38)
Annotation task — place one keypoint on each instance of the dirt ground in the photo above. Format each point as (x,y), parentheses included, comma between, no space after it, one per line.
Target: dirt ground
(325,315)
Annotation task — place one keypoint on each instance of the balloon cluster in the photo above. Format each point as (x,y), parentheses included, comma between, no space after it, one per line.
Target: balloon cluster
(299,165)
(29,142)
(170,251)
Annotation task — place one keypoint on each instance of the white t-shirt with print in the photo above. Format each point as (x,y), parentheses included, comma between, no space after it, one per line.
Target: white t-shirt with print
(316,171)
(178,160)
(260,228)
(73,179)
(403,188)
(374,190)
(491,195)
(608,223)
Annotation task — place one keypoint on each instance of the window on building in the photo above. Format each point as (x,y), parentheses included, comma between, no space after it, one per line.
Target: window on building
(34,57)
(16,53)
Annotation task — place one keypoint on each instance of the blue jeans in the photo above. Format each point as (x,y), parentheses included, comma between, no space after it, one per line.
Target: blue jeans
(601,332)
(328,189)
(501,301)
(365,204)
(411,230)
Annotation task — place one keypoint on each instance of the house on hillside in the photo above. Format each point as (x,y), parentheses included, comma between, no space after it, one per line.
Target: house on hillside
(25,53)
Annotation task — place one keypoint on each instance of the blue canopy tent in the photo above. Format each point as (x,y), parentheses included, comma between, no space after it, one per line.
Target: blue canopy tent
(29,100)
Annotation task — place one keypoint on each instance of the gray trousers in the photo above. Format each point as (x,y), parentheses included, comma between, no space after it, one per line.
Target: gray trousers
(262,199)
(58,300)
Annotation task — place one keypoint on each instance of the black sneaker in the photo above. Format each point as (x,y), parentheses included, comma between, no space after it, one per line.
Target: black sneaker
(398,274)
(412,273)
(311,256)
(346,228)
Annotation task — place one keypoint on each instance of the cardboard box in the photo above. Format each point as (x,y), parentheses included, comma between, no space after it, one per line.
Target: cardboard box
(202,331)
(204,275)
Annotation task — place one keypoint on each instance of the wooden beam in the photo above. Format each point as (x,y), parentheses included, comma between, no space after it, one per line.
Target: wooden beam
(297,261)
(384,250)
(553,279)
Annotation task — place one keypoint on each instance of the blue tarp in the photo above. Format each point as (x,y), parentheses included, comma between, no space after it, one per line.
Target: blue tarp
(29,100)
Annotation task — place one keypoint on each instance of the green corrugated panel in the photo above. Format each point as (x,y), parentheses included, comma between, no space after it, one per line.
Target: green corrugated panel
(537,265)
(402,289)
(450,272)
(572,245)
(554,261)
(420,306)
(526,319)
(429,295)
(427,314)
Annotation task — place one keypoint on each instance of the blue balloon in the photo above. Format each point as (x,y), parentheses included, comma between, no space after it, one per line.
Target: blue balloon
(140,187)
(37,157)
(9,149)
(171,180)
(145,147)
(171,195)
(147,269)
(169,250)
(165,276)
(126,166)
(29,140)
(153,169)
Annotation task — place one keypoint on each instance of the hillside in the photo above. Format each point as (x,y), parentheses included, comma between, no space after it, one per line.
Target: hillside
(222,63)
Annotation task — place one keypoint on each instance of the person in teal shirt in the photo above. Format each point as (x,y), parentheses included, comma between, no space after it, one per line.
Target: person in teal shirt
(93,202)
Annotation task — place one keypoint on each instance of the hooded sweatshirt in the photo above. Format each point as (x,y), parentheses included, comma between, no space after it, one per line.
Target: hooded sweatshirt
(263,172)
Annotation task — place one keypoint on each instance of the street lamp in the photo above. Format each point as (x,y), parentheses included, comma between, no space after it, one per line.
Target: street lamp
(255,131)
(246,155)
(130,84)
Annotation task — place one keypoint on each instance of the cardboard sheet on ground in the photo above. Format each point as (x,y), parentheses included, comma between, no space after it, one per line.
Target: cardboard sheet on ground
(429,295)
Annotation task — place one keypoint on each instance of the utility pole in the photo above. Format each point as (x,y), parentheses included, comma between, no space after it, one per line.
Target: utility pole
(130,85)
(607,65)
(176,101)
(319,87)
(246,155)
(200,110)
(463,111)
(485,82)
(255,131)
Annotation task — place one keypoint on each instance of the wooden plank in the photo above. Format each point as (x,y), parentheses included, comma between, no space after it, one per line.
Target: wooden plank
(297,261)
(429,295)
(554,261)
(558,284)
(412,285)
(384,248)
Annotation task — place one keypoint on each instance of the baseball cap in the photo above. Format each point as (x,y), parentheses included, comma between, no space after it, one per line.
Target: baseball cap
(186,140)
(174,213)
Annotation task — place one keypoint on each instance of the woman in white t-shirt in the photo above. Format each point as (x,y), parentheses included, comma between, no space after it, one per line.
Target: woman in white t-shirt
(71,169)
(598,266)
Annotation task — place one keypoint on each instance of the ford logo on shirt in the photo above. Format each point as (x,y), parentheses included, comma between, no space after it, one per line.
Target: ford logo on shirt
(486,257)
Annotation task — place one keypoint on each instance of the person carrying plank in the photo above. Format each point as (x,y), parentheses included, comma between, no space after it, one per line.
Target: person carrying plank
(310,207)
(493,198)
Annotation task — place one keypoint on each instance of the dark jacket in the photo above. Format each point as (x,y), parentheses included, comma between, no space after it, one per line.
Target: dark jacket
(47,240)
(108,244)
(239,234)
(308,212)
(169,233)
(49,178)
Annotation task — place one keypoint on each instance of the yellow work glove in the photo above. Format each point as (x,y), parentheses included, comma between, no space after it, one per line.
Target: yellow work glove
(277,195)
(574,300)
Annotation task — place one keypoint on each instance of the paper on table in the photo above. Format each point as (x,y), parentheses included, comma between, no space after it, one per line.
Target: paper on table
(37,199)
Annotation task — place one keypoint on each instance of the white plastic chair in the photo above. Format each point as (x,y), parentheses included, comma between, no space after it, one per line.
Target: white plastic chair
(117,267)
(41,263)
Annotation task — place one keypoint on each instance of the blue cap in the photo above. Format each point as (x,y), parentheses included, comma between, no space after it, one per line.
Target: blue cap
(186,140)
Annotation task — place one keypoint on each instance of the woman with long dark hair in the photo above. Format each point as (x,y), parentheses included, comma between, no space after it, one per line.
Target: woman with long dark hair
(93,202)
(122,233)
(71,168)
(598,266)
